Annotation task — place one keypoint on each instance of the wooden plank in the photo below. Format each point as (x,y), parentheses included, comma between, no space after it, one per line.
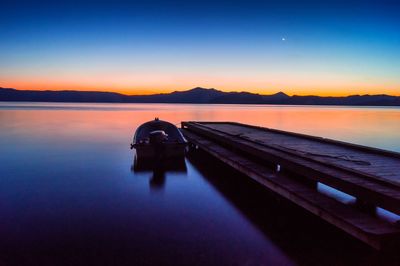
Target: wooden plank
(370,230)
(373,190)
(316,138)
(335,156)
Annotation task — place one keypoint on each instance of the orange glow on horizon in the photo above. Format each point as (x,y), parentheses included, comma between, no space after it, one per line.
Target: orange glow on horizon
(327,90)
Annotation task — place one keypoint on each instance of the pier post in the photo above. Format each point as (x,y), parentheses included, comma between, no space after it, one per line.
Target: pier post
(365,206)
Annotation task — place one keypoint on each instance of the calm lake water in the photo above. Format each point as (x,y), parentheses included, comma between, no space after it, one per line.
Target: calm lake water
(68,195)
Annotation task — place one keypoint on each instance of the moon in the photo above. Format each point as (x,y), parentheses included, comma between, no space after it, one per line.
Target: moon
(283,39)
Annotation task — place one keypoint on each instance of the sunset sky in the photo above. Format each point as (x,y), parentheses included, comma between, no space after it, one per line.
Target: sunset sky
(136,47)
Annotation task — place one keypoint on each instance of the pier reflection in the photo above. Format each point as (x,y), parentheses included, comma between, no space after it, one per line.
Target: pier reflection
(308,240)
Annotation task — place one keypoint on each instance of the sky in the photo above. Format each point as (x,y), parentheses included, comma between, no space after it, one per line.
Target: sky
(142,47)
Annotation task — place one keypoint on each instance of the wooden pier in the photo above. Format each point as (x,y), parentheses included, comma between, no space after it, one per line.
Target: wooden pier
(291,165)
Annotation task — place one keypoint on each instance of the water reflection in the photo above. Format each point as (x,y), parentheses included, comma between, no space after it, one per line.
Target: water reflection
(371,126)
(70,193)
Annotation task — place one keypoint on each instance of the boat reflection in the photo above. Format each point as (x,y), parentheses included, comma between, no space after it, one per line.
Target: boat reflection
(157,180)
(159,169)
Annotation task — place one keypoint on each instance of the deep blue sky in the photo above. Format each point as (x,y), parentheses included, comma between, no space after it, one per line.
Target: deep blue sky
(301,47)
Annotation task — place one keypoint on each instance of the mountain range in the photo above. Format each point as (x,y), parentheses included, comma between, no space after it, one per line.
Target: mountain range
(196,95)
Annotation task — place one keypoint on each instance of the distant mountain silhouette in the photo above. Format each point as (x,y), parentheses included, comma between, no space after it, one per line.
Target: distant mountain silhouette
(196,95)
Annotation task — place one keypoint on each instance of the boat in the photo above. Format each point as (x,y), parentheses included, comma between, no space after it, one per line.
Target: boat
(158,140)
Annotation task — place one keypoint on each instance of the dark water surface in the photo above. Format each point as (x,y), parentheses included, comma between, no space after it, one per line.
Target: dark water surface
(68,195)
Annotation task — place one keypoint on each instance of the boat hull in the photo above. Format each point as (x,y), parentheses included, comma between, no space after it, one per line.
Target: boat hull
(160,151)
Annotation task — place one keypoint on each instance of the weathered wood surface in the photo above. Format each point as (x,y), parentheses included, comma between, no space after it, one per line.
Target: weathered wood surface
(370,174)
(370,230)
